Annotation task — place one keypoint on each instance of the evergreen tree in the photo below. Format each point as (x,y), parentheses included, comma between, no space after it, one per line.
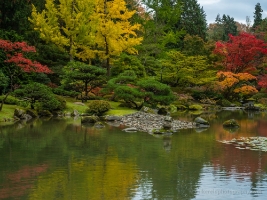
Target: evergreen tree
(222,28)
(193,19)
(257,15)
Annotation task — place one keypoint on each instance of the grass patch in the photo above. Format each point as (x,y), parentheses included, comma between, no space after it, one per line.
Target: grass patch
(7,111)
(117,110)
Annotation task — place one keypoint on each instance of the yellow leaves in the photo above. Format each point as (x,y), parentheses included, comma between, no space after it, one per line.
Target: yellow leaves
(99,25)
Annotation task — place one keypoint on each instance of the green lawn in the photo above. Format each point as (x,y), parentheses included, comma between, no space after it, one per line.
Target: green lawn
(8,110)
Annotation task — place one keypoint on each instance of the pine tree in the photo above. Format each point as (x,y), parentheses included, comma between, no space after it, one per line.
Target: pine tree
(193,19)
(257,15)
(222,28)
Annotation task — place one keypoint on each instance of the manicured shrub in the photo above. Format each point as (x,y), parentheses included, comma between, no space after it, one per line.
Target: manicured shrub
(98,107)
(9,100)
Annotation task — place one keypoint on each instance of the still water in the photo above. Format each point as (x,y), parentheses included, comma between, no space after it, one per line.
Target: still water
(60,159)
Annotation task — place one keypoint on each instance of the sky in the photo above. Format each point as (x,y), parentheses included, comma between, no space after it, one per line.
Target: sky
(238,9)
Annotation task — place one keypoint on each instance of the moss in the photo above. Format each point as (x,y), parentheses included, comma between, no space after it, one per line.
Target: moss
(195,107)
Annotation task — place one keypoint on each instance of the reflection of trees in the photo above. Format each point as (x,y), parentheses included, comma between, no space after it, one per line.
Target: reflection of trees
(82,159)
(237,163)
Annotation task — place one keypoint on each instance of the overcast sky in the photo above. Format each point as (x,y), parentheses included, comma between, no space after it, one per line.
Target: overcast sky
(238,9)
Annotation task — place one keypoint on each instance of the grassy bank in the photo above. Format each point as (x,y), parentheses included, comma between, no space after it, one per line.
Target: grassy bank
(8,110)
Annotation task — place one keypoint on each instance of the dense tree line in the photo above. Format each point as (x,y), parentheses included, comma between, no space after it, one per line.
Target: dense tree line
(89,44)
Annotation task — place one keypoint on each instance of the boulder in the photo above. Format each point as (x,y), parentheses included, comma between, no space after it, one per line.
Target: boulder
(162,111)
(230,123)
(32,113)
(200,122)
(99,125)
(45,113)
(167,119)
(26,117)
(148,110)
(167,125)
(19,112)
(75,113)
(113,118)
(89,119)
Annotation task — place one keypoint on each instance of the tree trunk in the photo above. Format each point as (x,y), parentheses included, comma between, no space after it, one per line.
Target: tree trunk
(3,101)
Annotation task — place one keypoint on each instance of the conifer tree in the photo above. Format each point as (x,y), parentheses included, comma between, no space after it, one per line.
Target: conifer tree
(193,19)
(257,15)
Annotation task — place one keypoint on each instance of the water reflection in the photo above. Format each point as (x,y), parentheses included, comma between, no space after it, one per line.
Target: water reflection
(60,159)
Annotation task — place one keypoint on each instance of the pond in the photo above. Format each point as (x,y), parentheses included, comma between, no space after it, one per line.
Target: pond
(61,159)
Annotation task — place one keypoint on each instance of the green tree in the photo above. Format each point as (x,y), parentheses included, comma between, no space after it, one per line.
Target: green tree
(160,32)
(38,95)
(193,19)
(128,62)
(90,76)
(222,28)
(179,69)
(257,15)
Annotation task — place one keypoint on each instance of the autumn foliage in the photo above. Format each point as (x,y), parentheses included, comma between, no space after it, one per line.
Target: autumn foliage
(242,53)
(15,55)
(230,83)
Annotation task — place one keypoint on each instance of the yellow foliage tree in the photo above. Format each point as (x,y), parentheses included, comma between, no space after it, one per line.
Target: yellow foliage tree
(67,25)
(115,34)
(88,28)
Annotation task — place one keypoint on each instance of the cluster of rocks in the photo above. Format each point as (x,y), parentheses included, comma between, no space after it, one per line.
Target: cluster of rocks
(153,123)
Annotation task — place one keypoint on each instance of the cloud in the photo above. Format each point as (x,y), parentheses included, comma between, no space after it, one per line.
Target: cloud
(208,2)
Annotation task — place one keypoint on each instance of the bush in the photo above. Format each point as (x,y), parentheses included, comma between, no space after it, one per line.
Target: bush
(225,103)
(9,100)
(98,107)
(259,96)
(62,92)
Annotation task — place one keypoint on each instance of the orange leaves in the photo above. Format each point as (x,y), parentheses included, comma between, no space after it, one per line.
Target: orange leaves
(246,90)
(236,83)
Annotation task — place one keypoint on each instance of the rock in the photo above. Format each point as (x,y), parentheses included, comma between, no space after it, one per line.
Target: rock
(131,129)
(167,125)
(32,113)
(26,117)
(200,122)
(19,112)
(148,110)
(67,114)
(79,103)
(162,111)
(113,118)
(45,113)
(75,113)
(168,119)
(230,123)
(89,119)
(99,125)
(162,131)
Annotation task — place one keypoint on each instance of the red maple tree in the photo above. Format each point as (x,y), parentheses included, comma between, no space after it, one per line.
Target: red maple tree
(16,62)
(242,53)
(15,55)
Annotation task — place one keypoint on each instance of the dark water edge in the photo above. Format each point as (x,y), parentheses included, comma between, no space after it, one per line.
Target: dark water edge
(61,159)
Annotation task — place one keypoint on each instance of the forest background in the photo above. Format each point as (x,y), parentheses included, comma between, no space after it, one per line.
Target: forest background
(142,52)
